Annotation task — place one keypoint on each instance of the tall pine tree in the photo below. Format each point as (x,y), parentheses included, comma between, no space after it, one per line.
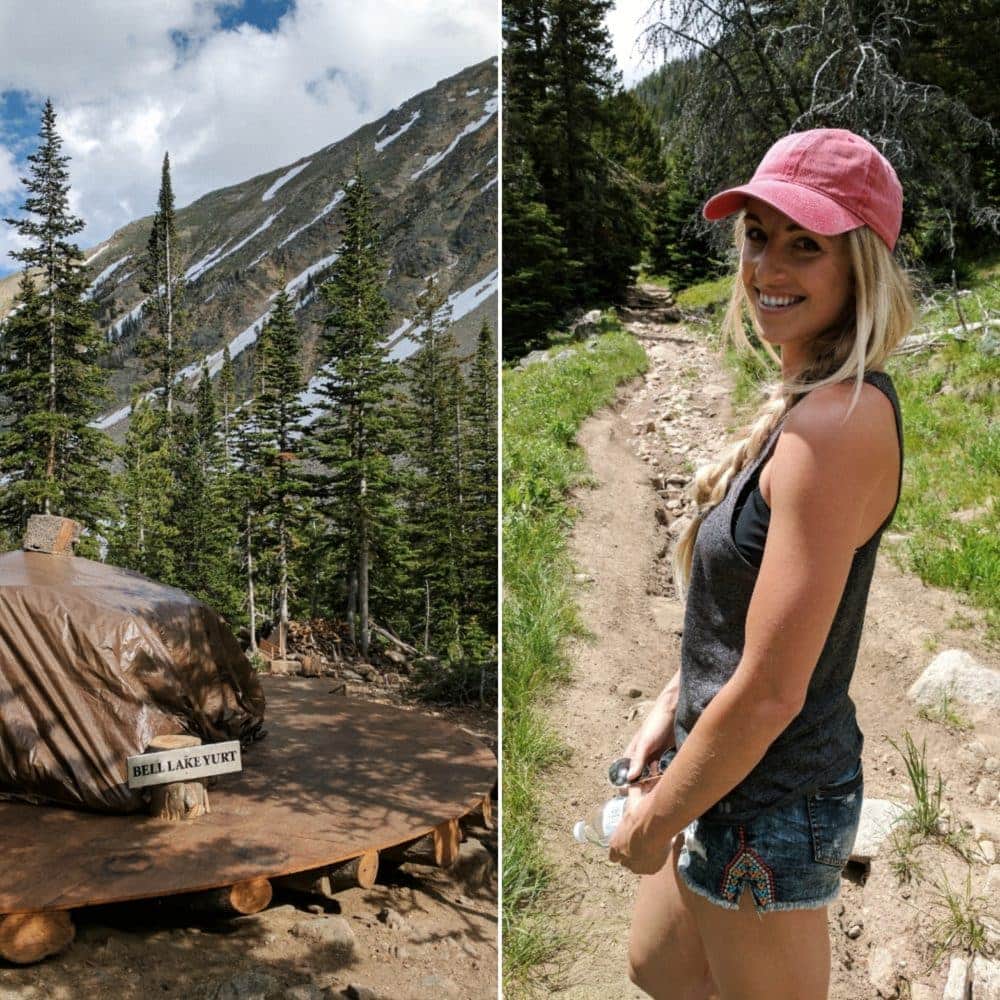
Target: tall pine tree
(206,534)
(52,461)
(436,451)
(144,538)
(279,414)
(163,281)
(481,479)
(355,437)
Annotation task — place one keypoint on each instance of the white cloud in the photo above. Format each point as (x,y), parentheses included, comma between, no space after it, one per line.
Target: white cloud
(9,182)
(229,105)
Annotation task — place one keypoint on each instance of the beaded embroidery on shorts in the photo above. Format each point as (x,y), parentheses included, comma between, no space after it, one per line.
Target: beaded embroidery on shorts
(747,864)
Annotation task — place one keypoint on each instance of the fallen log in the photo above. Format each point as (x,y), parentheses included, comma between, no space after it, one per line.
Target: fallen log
(394,640)
(30,937)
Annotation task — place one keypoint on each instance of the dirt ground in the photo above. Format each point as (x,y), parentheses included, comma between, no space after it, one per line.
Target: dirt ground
(679,413)
(420,933)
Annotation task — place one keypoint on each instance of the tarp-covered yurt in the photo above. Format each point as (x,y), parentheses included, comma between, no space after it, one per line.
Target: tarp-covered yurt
(95,662)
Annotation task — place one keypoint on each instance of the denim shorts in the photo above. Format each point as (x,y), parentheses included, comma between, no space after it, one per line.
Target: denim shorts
(789,858)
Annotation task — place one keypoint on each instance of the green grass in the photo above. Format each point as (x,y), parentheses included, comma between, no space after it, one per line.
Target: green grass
(543,408)
(961,924)
(922,819)
(708,295)
(945,713)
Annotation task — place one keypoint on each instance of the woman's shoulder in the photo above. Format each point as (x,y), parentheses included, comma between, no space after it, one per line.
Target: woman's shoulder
(828,422)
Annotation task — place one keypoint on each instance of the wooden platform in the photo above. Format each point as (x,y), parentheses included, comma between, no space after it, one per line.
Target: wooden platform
(333,778)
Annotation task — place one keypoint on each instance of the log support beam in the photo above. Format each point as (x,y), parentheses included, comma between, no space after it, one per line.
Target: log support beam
(361,871)
(30,937)
(239,900)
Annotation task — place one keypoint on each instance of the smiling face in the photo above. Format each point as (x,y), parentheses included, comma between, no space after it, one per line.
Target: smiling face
(799,283)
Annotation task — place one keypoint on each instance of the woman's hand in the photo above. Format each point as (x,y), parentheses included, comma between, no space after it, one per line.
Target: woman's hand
(656,734)
(637,843)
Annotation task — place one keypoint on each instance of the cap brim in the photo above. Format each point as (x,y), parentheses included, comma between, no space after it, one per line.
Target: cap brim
(810,209)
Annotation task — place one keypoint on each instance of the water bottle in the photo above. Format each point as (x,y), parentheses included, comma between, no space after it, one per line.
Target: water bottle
(600,828)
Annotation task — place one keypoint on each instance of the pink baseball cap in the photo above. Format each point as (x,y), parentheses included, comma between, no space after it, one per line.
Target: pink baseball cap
(828,180)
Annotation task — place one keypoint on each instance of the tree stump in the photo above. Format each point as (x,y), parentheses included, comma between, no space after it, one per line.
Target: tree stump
(52,534)
(178,800)
(30,937)
(239,900)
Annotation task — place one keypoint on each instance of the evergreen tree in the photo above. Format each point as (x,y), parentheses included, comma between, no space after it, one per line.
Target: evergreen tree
(145,538)
(163,281)
(577,156)
(538,276)
(279,415)
(227,402)
(680,249)
(205,533)
(355,437)
(481,477)
(53,461)
(245,494)
(438,504)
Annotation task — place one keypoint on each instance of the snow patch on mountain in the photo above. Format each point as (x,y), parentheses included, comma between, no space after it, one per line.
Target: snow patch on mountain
(472,93)
(325,210)
(283,180)
(379,146)
(402,342)
(487,186)
(432,161)
(300,279)
(104,275)
(195,271)
(458,304)
(97,253)
(115,330)
(198,268)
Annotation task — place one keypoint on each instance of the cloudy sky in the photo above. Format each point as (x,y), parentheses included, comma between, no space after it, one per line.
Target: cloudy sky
(231,89)
(625,23)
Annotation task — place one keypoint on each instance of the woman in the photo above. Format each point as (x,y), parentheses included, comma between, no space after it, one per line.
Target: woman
(764,793)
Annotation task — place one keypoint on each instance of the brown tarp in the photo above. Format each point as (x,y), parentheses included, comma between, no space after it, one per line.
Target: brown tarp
(94,662)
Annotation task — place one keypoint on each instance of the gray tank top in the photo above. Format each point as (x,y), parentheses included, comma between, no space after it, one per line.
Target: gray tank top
(824,738)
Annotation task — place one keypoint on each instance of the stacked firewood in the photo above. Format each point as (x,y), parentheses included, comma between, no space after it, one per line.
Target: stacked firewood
(323,648)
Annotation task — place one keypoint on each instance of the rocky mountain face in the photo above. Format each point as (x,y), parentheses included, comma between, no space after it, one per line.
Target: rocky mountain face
(432,165)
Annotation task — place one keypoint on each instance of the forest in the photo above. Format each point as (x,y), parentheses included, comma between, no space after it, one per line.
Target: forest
(600,182)
(375,504)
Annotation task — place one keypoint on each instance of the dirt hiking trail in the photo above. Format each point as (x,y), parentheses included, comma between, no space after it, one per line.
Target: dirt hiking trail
(641,451)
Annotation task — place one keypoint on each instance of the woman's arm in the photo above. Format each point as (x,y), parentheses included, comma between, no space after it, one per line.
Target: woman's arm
(656,733)
(824,474)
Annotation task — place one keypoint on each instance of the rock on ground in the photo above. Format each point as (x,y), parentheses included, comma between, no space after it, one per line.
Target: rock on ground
(334,932)
(985,978)
(954,672)
(245,986)
(878,817)
(882,971)
(958,980)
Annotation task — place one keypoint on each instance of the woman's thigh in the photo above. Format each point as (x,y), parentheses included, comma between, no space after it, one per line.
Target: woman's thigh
(779,955)
(666,957)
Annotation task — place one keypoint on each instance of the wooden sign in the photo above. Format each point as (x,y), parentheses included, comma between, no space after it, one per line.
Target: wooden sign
(185,764)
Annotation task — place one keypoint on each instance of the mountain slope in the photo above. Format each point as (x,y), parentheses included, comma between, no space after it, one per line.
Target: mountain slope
(432,163)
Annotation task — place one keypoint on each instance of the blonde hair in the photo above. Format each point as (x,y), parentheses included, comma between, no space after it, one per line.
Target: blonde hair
(881,314)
